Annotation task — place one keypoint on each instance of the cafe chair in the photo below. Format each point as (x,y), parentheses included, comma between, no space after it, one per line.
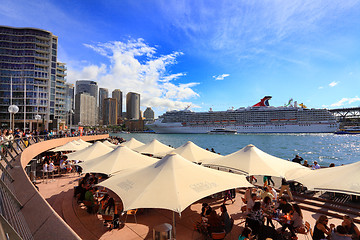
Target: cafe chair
(89,206)
(218,235)
(308,231)
(131,213)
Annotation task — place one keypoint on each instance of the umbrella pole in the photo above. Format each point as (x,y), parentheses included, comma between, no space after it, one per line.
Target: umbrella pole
(174,225)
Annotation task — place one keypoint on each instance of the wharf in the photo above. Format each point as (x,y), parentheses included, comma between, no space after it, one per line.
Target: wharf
(59,194)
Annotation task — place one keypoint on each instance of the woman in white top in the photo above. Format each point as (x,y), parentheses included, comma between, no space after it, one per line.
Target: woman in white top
(298,221)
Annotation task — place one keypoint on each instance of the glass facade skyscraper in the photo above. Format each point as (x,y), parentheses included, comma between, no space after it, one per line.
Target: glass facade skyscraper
(28,75)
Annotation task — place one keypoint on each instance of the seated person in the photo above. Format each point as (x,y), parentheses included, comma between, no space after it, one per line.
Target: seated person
(110,208)
(268,208)
(298,219)
(321,228)
(214,223)
(294,221)
(266,193)
(204,208)
(340,234)
(246,234)
(225,219)
(284,206)
(250,203)
(350,227)
(89,196)
(256,218)
(68,166)
(103,204)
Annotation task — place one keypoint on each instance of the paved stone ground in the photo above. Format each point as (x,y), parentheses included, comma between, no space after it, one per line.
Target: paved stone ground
(59,194)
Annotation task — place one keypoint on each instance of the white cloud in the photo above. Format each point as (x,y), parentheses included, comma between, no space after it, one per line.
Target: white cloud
(134,67)
(345,101)
(321,87)
(220,77)
(333,84)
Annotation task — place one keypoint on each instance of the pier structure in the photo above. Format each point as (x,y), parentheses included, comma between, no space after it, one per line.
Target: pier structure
(347,116)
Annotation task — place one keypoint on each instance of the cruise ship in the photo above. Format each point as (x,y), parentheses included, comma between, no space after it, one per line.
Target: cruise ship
(259,118)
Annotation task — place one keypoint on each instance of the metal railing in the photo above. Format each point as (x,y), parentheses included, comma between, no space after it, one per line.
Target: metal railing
(12,222)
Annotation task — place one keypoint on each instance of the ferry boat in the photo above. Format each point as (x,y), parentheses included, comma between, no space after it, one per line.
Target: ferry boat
(222,131)
(259,118)
(349,130)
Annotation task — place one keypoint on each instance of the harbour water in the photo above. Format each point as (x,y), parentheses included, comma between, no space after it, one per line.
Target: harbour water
(324,148)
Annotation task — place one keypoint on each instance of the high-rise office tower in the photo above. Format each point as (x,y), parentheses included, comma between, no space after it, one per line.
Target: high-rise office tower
(132,106)
(28,70)
(69,97)
(90,87)
(103,93)
(149,114)
(110,111)
(87,86)
(117,94)
(69,103)
(85,109)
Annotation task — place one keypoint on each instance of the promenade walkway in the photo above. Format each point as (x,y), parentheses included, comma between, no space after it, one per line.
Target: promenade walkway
(59,194)
(41,221)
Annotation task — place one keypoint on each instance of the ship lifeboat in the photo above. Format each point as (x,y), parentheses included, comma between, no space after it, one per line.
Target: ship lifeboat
(216,122)
(274,120)
(293,119)
(232,121)
(224,121)
(183,123)
(283,120)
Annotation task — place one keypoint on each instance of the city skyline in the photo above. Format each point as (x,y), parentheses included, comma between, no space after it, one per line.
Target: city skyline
(176,54)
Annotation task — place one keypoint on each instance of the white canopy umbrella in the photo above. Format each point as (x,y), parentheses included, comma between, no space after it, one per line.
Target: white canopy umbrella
(109,144)
(172,183)
(95,150)
(155,148)
(132,143)
(120,159)
(194,153)
(252,161)
(343,179)
(70,146)
(83,143)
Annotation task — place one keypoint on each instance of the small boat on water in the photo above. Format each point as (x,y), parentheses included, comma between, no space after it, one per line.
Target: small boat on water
(222,131)
(349,130)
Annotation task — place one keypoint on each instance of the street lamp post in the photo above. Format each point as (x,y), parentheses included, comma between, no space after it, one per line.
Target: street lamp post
(12,110)
(37,118)
(71,112)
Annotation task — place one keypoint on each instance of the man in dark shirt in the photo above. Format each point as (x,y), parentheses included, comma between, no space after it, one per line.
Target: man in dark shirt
(297,159)
(284,206)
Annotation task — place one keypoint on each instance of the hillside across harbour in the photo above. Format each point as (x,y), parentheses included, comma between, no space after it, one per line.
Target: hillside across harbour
(259,118)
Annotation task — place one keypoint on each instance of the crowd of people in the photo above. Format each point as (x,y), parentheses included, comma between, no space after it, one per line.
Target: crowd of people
(96,200)
(263,207)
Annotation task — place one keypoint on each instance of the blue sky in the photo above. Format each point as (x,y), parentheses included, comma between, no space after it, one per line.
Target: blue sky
(207,54)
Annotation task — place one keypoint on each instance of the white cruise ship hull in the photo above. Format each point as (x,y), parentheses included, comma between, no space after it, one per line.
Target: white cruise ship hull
(159,127)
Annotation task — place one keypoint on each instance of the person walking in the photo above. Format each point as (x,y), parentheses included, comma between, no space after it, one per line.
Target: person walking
(285,187)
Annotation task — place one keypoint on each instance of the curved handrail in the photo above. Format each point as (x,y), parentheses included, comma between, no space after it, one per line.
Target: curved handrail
(42,220)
